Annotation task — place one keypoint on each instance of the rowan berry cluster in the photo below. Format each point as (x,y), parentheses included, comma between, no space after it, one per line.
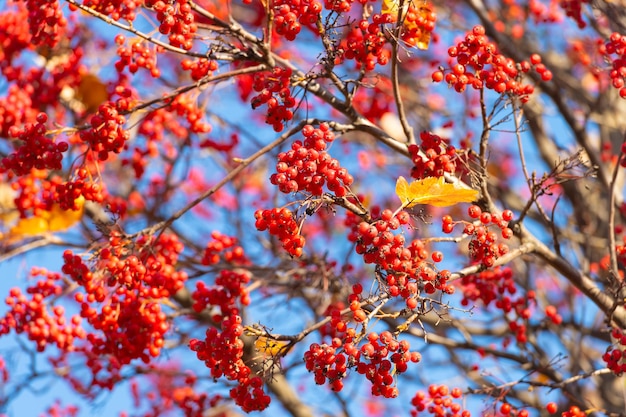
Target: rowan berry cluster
(279,222)
(340,6)
(308,167)
(184,105)
(553,314)
(439,401)
(222,351)
(138,55)
(229,289)
(223,247)
(437,156)
(365,43)
(338,324)
(46,21)
(106,134)
(616,45)
(573,9)
(36,150)
(378,359)
(479,64)
(273,90)
(386,357)
(497,287)
(116,9)
(199,68)
(171,389)
(615,355)
(34,193)
(176,20)
(16,108)
(484,246)
(327,364)
(66,193)
(34,315)
(127,275)
(15,38)
(289,15)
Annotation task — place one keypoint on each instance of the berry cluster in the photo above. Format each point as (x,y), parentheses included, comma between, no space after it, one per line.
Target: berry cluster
(289,15)
(67,193)
(279,222)
(616,45)
(116,9)
(273,90)
(106,134)
(224,247)
(28,190)
(497,287)
(33,315)
(185,105)
(365,43)
(418,24)
(439,401)
(553,314)
(340,6)
(338,324)
(139,55)
(405,270)
(176,20)
(437,156)
(36,151)
(228,289)
(378,359)
(615,355)
(16,108)
(385,357)
(15,38)
(46,21)
(479,64)
(573,9)
(484,246)
(132,278)
(308,167)
(327,364)
(199,68)
(222,351)
(171,389)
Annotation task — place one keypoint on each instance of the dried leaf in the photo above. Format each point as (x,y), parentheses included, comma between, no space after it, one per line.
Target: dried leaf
(433,191)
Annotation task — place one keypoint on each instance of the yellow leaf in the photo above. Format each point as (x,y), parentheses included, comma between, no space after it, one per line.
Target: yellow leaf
(423,41)
(64,219)
(54,220)
(390,7)
(32,226)
(433,191)
(271,347)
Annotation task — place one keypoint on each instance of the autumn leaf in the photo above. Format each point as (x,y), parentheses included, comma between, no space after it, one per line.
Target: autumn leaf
(54,220)
(433,191)
(271,347)
(390,7)
(424,11)
(91,92)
